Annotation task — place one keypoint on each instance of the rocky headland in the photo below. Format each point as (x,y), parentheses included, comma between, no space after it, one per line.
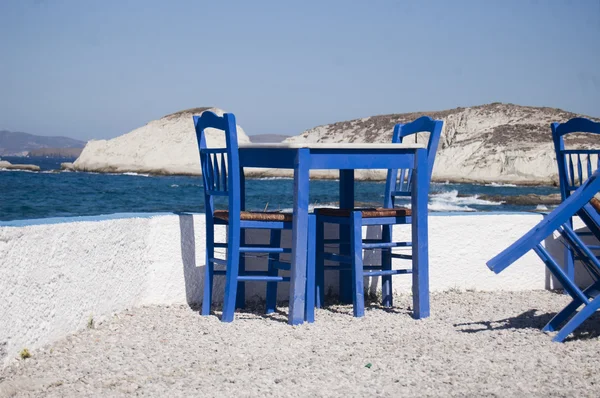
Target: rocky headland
(164,146)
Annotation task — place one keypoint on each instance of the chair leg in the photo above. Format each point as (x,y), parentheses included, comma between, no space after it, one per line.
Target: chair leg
(358,292)
(240,300)
(386,265)
(569,258)
(569,309)
(310,271)
(320,263)
(231,281)
(275,241)
(209,268)
(577,320)
(562,315)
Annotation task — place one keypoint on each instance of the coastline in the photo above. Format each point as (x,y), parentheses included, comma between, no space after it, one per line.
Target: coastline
(360,175)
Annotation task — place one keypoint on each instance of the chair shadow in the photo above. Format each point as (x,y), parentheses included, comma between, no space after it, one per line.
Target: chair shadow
(590,329)
(256,309)
(333,305)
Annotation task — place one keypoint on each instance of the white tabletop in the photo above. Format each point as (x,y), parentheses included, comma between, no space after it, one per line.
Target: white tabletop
(331,145)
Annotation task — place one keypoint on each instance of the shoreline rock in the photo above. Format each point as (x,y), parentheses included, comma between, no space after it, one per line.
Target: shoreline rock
(9,166)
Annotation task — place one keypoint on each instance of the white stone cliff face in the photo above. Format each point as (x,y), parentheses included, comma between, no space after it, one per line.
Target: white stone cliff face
(502,143)
(164,146)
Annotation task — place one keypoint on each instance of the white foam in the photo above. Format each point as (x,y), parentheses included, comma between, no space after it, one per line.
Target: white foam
(20,170)
(273,178)
(453,198)
(496,184)
(136,174)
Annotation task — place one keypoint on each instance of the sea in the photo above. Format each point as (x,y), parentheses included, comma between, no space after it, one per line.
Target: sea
(55,193)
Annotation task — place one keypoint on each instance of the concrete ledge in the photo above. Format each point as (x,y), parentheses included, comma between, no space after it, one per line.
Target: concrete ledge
(57,274)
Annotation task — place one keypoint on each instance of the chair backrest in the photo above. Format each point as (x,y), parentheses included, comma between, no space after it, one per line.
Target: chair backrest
(219,166)
(574,165)
(399,181)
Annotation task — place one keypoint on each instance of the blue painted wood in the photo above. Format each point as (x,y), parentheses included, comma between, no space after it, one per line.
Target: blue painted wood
(311,271)
(299,237)
(555,219)
(420,240)
(345,232)
(320,243)
(240,298)
(323,158)
(577,320)
(566,312)
(262,278)
(401,181)
(275,241)
(387,296)
(223,176)
(559,220)
(349,159)
(565,158)
(358,296)
(388,272)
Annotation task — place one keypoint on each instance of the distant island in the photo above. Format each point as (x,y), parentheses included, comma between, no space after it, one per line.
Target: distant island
(70,153)
(22,144)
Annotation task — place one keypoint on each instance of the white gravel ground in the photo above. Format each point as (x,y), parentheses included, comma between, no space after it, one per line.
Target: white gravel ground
(474,344)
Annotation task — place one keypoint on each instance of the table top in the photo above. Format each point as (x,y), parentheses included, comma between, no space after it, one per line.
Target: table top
(330,145)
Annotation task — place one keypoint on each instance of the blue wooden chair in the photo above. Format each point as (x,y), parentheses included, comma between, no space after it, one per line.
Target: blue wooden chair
(559,220)
(398,184)
(574,167)
(222,177)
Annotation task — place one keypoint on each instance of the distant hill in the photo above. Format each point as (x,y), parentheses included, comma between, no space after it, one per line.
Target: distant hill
(20,144)
(56,152)
(258,138)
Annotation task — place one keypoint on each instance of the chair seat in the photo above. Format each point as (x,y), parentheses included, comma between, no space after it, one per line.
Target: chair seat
(366,212)
(255,216)
(595,204)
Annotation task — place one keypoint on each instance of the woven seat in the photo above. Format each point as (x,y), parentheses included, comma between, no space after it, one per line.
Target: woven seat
(255,216)
(366,212)
(595,204)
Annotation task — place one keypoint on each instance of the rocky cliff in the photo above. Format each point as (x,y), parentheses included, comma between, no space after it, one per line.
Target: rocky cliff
(164,146)
(496,142)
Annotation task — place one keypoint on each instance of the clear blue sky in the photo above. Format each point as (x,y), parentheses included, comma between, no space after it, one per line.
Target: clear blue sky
(98,69)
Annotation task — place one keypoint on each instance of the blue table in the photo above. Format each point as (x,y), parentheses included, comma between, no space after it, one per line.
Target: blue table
(346,158)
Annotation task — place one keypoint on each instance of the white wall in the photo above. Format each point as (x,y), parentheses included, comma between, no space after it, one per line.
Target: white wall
(55,274)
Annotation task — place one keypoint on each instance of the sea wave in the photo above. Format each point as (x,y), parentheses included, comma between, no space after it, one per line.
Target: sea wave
(20,170)
(496,184)
(272,178)
(452,197)
(129,173)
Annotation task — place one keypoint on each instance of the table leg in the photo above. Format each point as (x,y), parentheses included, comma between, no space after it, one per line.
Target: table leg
(420,246)
(346,202)
(299,237)
(240,300)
